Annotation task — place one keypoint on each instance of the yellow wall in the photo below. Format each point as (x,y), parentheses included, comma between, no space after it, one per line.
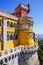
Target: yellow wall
(15,43)
(11,44)
(10,29)
(25,39)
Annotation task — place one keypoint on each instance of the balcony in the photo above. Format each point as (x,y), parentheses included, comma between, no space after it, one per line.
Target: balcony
(28,30)
(25,26)
(27,18)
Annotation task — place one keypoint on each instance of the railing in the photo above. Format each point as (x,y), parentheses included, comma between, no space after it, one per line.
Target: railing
(9,52)
(10,57)
(23,26)
(27,18)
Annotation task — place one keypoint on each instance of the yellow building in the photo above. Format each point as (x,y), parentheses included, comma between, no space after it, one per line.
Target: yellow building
(16,29)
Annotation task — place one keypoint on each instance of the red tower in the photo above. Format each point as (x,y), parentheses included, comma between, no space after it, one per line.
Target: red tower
(22,10)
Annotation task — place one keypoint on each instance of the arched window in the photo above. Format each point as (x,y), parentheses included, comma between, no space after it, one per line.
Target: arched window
(11,24)
(1,62)
(12,56)
(15,25)
(6,60)
(9,58)
(8,24)
(8,37)
(16,36)
(0,37)
(11,37)
(0,22)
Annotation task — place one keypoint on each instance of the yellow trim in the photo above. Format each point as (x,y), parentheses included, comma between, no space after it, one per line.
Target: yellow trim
(10,29)
(29,30)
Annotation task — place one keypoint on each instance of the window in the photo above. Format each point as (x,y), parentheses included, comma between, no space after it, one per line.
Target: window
(11,24)
(9,58)
(11,37)
(6,60)
(0,38)
(1,62)
(0,22)
(8,24)
(16,36)
(14,24)
(12,56)
(8,37)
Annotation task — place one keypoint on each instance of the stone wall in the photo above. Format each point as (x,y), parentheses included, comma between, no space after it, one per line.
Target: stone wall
(28,59)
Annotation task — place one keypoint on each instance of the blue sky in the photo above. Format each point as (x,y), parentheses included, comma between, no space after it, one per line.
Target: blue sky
(36,12)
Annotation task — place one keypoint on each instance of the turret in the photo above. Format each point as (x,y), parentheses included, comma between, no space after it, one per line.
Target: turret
(25,25)
(22,10)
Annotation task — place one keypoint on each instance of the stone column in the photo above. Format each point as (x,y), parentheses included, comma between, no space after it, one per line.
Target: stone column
(4,33)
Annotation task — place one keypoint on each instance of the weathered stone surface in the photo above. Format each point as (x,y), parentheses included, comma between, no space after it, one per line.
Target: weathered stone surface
(33,60)
(29,59)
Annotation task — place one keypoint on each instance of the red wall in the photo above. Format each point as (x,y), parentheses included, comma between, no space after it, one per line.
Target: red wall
(21,13)
(24,13)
